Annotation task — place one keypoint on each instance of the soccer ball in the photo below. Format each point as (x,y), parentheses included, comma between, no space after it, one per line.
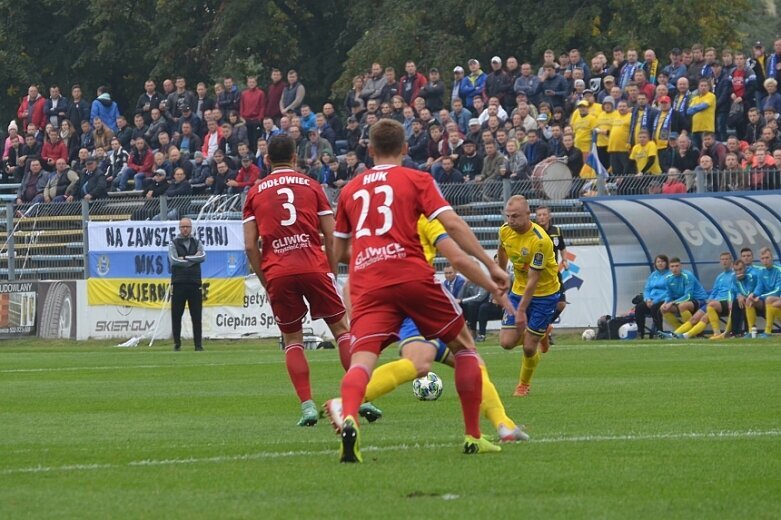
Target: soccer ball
(428,387)
(589,335)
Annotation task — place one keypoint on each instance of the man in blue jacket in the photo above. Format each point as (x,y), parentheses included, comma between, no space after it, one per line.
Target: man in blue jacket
(744,285)
(684,294)
(719,302)
(472,85)
(767,294)
(106,109)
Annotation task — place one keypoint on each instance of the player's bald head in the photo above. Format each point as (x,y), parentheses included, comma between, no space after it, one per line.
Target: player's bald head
(517,202)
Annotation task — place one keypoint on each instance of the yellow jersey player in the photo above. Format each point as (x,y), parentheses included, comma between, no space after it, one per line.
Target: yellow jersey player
(418,353)
(535,291)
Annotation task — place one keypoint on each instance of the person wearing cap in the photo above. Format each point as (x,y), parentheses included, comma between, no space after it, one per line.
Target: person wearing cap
(528,84)
(188,116)
(455,89)
(602,129)
(475,131)
(473,85)
(314,147)
(433,91)
(583,123)
(608,82)
(668,122)
(157,185)
(92,184)
(418,142)
(470,162)
(411,83)
(498,83)
(758,63)
(676,69)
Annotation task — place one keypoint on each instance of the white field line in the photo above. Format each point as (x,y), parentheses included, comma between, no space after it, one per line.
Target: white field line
(220,459)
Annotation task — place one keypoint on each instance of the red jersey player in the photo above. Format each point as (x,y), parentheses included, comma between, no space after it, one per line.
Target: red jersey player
(287,211)
(390,279)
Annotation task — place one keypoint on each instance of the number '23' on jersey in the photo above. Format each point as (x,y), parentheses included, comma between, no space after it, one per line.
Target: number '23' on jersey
(379,210)
(287,206)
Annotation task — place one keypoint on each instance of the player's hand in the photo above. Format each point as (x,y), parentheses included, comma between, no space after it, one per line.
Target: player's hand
(741,302)
(649,303)
(501,299)
(500,277)
(520,320)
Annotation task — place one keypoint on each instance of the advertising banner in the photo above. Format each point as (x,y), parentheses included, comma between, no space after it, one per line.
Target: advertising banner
(17,309)
(129,265)
(57,314)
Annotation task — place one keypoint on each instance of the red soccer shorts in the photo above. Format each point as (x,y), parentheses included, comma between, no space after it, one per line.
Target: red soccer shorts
(287,293)
(377,314)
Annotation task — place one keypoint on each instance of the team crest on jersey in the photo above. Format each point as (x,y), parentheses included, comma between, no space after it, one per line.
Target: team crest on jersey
(556,241)
(524,252)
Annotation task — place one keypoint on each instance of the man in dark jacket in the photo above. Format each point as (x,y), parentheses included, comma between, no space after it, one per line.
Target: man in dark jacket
(150,99)
(722,88)
(433,91)
(31,189)
(186,255)
(78,109)
(92,184)
(498,84)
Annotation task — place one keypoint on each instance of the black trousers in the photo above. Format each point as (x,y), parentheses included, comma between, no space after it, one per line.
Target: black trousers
(738,319)
(642,312)
(470,314)
(488,311)
(192,296)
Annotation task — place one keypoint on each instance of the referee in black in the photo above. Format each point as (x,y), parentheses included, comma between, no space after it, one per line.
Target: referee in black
(542,215)
(186,255)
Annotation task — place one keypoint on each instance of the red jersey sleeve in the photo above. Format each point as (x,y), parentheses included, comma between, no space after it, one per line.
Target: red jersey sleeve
(323,206)
(343,228)
(249,212)
(431,199)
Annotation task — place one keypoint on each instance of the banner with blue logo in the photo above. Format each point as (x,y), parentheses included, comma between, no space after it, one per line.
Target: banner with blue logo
(128,261)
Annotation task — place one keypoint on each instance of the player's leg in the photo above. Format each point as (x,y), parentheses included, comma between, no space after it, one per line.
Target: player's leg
(693,326)
(510,336)
(547,339)
(539,314)
(326,303)
(417,354)
(443,319)
(686,310)
(287,303)
(671,317)
(716,309)
(737,318)
(751,314)
(772,310)
(687,325)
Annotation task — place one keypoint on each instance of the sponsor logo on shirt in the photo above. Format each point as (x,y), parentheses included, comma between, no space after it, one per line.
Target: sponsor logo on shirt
(372,255)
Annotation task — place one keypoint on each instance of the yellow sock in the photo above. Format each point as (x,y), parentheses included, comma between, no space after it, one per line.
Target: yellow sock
(713,318)
(686,315)
(751,317)
(683,329)
(770,315)
(696,330)
(492,407)
(528,366)
(389,376)
(671,320)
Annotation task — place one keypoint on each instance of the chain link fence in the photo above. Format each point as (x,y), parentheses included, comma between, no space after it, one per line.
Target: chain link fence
(49,240)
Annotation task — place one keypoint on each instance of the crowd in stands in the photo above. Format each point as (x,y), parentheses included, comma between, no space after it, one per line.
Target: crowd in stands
(662,121)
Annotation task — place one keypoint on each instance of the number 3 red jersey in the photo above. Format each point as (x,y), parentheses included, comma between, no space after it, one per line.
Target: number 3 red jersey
(287,207)
(379,210)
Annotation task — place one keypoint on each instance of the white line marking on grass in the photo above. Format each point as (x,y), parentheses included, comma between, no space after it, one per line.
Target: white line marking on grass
(141,367)
(219,459)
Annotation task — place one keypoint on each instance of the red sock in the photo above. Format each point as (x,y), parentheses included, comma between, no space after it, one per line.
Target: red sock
(469,384)
(298,369)
(345,343)
(353,389)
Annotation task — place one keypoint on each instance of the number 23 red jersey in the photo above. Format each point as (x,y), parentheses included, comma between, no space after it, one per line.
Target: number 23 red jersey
(287,207)
(379,210)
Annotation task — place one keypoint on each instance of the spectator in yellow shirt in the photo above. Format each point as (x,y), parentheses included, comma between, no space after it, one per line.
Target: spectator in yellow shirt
(646,160)
(583,123)
(604,124)
(702,111)
(618,140)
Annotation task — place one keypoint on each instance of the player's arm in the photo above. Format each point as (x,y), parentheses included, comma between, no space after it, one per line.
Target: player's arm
(502,257)
(466,266)
(327,228)
(467,241)
(563,250)
(253,252)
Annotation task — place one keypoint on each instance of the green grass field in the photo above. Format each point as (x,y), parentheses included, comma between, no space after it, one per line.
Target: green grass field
(620,430)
